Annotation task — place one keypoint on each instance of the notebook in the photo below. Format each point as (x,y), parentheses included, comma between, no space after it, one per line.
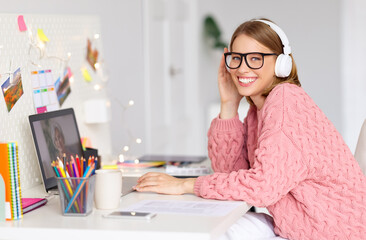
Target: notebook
(30,204)
(9,170)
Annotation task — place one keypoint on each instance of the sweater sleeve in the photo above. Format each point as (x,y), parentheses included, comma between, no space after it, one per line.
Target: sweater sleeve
(227,144)
(278,168)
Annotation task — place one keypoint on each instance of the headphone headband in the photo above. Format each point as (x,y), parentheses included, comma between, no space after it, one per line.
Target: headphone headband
(280,33)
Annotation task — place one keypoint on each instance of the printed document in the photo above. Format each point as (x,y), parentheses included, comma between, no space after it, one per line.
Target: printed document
(201,208)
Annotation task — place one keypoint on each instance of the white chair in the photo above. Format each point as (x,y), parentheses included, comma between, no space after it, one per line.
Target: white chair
(360,153)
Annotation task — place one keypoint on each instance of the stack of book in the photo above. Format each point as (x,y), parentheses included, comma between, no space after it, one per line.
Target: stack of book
(9,170)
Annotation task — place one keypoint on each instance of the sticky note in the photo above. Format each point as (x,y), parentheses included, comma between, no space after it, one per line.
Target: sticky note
(42,36)
(110,167)
(86,75)
(21,23)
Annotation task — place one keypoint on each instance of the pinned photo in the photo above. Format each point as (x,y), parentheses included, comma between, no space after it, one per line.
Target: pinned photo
(91,55)
(63,87)
(12,89)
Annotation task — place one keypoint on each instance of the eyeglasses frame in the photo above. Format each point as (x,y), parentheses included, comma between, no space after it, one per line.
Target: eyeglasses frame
(244,55)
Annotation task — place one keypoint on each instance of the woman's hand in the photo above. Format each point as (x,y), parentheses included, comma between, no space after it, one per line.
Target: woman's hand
(164,183)
(230,97)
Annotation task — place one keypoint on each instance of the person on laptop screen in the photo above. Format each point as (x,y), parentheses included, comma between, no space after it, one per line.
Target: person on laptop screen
(286,156)
(59,141)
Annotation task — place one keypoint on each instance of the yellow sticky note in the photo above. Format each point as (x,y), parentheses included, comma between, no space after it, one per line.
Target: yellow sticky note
(110,167)
(86,75)
(42,36)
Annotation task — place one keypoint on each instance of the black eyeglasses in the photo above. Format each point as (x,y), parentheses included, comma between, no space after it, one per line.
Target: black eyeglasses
(254,60)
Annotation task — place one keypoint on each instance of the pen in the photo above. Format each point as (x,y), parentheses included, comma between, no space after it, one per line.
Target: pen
(64,158)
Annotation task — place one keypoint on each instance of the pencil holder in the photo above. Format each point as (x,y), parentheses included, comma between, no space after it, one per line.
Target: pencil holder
(76,195)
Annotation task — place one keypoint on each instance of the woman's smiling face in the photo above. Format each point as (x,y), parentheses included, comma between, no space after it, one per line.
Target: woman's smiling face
(252,82)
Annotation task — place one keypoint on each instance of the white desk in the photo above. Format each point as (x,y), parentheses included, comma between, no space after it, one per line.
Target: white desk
(47,222)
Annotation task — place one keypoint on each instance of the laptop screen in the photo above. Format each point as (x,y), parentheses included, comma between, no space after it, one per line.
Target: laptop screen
(54,133)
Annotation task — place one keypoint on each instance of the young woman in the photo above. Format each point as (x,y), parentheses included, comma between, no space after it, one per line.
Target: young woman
(286,156)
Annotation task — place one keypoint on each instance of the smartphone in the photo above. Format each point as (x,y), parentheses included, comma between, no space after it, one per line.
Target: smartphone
(131,215)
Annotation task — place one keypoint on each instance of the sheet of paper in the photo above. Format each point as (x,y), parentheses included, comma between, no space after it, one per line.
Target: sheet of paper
(200,208)
(44,94)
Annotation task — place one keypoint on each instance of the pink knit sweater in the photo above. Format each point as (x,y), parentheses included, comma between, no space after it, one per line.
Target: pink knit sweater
(289,158)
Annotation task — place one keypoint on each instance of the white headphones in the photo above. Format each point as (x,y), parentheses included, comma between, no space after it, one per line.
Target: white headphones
(283,65)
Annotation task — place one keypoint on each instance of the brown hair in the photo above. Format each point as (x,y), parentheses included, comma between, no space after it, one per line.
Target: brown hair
(265,35)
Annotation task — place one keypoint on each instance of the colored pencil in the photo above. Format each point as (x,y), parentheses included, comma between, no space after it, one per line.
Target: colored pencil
(74,167)
(78,164)
(62,185)
(87,173)
(68,187)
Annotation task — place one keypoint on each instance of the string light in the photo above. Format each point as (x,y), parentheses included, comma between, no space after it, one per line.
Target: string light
(96,36)
(137,161)
(126,148)
(131,103)
(36,43)
(121,158)
(97,65)
(138,140)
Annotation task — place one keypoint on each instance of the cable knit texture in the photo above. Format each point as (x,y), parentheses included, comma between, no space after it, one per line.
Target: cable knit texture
(289,158)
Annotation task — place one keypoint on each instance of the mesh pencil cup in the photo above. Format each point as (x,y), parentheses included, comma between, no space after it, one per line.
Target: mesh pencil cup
(76,195)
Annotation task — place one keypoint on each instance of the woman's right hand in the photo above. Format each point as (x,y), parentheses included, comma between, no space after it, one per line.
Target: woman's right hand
(230,97)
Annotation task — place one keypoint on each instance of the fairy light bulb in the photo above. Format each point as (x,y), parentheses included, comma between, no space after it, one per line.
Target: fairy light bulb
(131,103)
(126,148)
(97,87)
(69,54)
(96,36)
(41,45)
(121,158)
(137,161)
(138,140)
(97,65)
(71,79)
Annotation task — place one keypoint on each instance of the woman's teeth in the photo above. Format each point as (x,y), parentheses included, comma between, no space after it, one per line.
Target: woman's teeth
(246,80)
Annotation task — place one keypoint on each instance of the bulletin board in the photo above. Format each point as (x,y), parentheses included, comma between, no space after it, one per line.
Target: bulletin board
(67,47)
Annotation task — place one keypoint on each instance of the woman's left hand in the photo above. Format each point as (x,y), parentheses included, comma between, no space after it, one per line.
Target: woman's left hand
(165,184)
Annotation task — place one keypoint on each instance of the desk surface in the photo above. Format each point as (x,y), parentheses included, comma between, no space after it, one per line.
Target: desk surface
(48,223)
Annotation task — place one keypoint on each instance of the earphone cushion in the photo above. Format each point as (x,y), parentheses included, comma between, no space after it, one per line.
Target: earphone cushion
(283,65)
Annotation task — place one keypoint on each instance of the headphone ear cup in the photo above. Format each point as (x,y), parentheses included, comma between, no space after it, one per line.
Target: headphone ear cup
(283,66)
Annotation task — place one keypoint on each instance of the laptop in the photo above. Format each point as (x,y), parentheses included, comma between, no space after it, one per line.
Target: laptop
(54,133)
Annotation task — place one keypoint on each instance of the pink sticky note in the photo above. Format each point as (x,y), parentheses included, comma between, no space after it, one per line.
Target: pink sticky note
(69,73)
(21,23)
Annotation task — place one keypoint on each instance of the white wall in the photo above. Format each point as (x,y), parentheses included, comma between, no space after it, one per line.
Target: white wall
(353,75)
(122,43)
(313,28)
(314,34)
